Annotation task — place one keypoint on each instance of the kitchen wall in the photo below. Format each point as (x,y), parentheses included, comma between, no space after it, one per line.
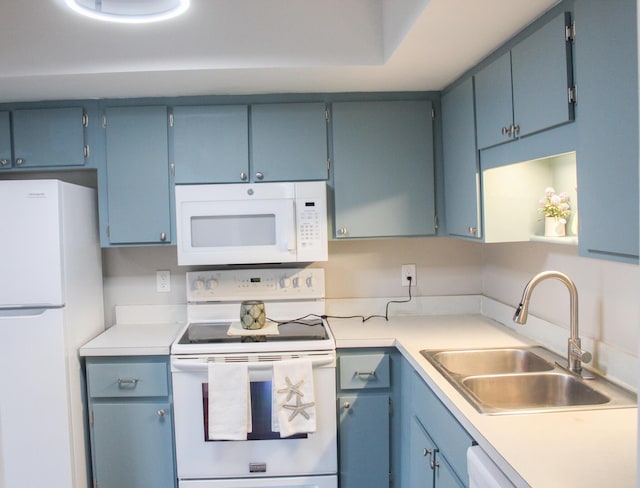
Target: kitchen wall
(608,305)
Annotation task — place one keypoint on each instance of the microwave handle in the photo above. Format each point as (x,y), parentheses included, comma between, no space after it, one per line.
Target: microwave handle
(288,244)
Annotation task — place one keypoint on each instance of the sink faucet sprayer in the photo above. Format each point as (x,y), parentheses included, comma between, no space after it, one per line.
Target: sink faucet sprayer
(575,354)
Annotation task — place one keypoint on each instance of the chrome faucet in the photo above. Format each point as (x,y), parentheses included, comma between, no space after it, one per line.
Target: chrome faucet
(575,354)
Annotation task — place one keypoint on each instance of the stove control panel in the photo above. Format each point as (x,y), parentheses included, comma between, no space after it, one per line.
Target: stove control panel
(255,284)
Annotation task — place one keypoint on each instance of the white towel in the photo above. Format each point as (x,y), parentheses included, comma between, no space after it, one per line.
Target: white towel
(293,409)
(229,401)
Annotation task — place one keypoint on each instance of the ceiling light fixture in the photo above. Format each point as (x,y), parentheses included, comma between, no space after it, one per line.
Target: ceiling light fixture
(129,11)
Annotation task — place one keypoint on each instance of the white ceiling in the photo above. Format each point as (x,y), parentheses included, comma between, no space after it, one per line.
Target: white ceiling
(252,46)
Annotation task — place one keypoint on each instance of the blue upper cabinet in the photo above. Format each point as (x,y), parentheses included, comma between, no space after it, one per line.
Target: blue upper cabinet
(137,174)
(5,141)
(494,102)
(289,142)
(461,169)
(211,143)
(49,137)
(383,169)
(527,89)
(607,157)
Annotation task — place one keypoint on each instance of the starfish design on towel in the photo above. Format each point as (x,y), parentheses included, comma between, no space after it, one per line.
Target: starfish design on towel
(292,389)
(298,408)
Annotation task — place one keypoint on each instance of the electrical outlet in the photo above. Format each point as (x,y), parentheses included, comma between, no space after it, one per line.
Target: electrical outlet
(163,281)
(409,271)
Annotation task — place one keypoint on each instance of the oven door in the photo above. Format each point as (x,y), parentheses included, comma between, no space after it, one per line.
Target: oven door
(266,454)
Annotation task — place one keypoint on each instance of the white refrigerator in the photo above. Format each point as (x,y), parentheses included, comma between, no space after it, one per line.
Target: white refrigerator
(50,304)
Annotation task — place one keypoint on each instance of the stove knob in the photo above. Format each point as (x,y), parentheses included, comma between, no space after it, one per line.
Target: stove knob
(285,282)
(309,282)
(296,282)
(198,284)
(212,284)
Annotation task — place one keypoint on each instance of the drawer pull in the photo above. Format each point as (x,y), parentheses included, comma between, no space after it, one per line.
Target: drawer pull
(127,383)
(362,374)
(161,412)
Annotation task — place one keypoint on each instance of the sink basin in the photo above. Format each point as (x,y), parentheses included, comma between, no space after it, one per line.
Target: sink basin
(524,379)
(491,361)
(532,391)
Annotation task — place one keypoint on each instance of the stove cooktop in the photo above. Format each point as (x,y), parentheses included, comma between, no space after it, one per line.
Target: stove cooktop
(213,337)
(217,333)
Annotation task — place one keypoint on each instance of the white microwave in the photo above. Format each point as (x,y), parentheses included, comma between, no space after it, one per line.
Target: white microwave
(251,223)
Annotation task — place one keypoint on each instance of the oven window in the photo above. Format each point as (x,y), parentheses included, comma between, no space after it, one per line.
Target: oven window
(260,413)
(233,230)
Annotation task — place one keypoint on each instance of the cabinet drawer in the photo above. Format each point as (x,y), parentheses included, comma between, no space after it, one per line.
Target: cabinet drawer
(359,371)
(127,379)
(442,426)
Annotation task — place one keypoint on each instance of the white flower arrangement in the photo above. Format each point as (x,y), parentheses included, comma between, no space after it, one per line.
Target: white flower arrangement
(557,206)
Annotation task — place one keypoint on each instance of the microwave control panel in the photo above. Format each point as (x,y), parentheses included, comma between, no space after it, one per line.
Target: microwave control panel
(311,226)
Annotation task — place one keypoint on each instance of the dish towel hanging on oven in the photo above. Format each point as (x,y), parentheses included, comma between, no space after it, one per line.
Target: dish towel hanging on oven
(229,409)
(293,406)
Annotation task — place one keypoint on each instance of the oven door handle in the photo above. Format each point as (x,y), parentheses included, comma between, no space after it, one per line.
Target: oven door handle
(201,365)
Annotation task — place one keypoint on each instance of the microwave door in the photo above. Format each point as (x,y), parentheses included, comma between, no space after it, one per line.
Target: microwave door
(238,232)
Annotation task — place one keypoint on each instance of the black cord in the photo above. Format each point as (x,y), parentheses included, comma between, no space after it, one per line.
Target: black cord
(386,311)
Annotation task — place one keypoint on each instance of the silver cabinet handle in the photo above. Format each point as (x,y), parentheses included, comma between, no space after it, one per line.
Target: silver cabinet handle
(426,452)
(506,131)
(472,230)
(346,405)
(19,162)
(260,175)
(243,176)
(127,382)
(163,236)
(343,231)
(161,412)
(4,162)
(360,374)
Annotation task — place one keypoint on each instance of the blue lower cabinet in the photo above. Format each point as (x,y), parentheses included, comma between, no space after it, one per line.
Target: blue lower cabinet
(131,422)
(132,445)
(368,429)
(436,452)
(364,440)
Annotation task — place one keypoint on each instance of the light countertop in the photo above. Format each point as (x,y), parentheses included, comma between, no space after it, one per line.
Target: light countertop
(591,448)
(133,340)
(578,448)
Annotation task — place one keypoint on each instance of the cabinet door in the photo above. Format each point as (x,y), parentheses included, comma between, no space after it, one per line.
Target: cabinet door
(211,144)
(444,475)
(289,142)
(461,172)
(494,103)
(422,451)
(383,176)
(138,175)
(608,139)
(542,73)
(5,141)
(48,137)
(133,445)
(364,440)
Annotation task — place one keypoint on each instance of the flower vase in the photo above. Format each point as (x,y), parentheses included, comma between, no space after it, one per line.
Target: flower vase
(554,227)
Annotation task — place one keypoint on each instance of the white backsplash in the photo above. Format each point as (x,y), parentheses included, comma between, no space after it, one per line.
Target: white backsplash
(453,276)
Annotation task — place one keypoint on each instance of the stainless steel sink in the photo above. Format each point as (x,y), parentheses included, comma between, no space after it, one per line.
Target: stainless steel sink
(521,380)
(491,361)
(536,390)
